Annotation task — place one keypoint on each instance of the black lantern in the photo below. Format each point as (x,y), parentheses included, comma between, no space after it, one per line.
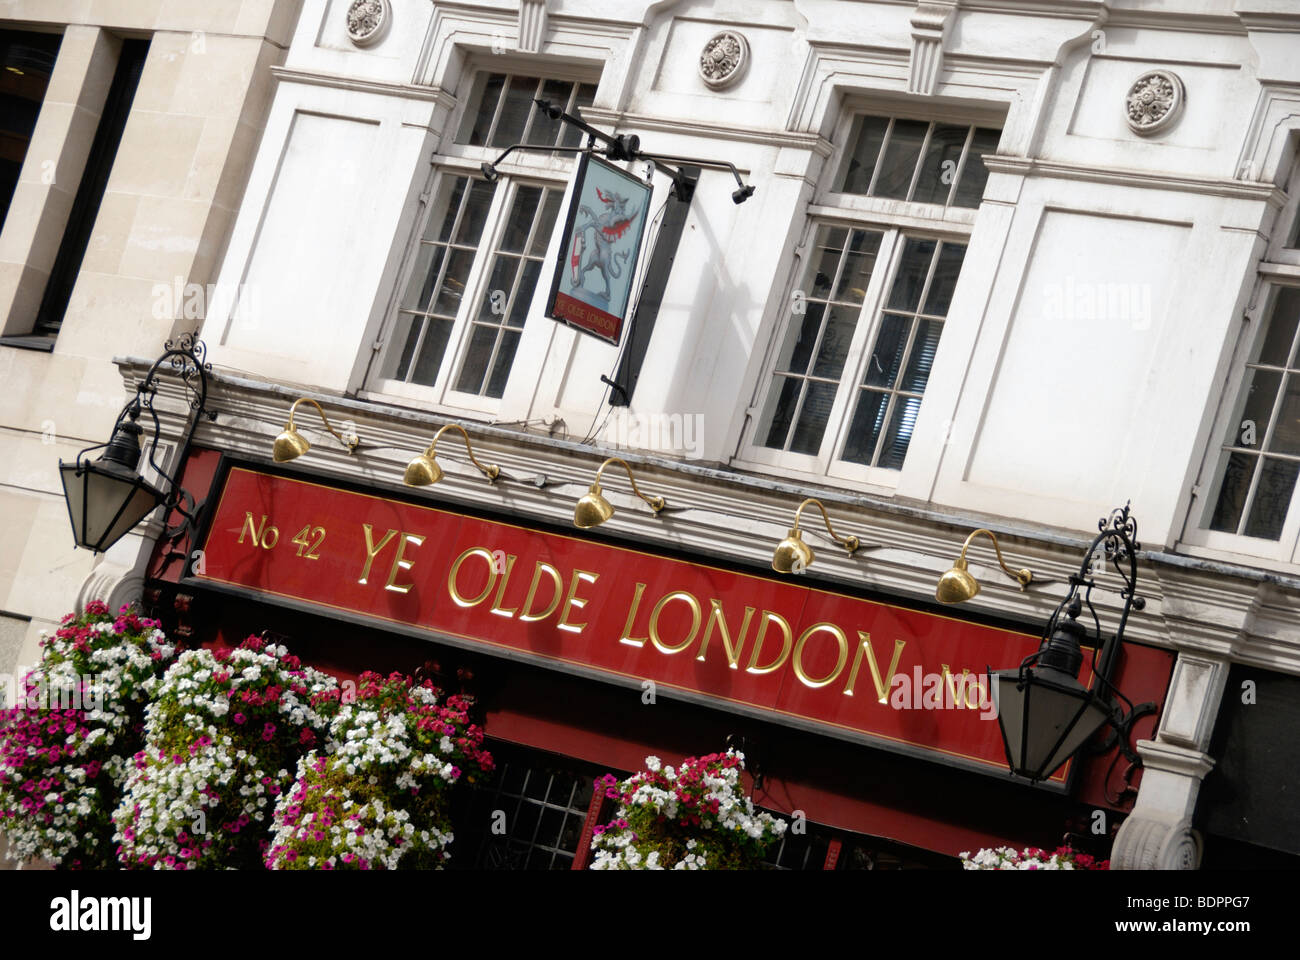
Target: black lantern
(1044,712)
(107,497)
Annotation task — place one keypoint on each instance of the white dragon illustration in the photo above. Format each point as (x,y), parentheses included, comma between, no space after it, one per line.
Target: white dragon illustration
(594,239)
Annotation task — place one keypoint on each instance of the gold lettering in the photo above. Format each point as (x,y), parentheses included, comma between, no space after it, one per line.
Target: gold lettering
(572,600)
(715,616)
(452,590)
(626,636)
(402,564)
(256,531)
(962,694)
(840,638)
(882,688)
(787,640)
(695,621)
(501,590)
(372,550)
(528,616)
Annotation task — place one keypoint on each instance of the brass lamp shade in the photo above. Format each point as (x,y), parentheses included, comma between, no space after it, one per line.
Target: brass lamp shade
(792,553)
(289,445)
(957,585)
(422,471)
(593,509)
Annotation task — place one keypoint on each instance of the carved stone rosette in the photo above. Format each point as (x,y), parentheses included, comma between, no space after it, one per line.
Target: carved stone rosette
(724,59)
(368,21)
(1154,101)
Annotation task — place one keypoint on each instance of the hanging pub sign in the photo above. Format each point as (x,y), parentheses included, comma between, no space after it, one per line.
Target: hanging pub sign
(603,230)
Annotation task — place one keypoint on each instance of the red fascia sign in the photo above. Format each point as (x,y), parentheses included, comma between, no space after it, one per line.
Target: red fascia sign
(888,676)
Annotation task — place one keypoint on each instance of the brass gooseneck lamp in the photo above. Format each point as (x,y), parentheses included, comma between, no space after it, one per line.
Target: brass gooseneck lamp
(593,509)
(793,555)
(291,444)
(424,469)
(958,586)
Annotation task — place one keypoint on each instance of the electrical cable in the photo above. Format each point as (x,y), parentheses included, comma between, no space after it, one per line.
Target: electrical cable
(596,428)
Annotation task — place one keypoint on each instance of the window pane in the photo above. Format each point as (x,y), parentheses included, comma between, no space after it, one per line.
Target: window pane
(453,282)
(817,402)
(475,213)
(1281,328)
(944,281)
(406,333)
(864,429)
(836,336)
(865,139)
(524,295)
(28,60)
(514,111)
(502,282)
(1286,435)
(1250,428)
(939,168)
(826,259)
(1272,497)
(571,136)
(974,175)
(1232,493)
(801,338)
(435,345)
(521,219)
(902,151)
(780,413)
(542,236)
(448,205)
(887,356)
(481,341)
(544,130)
(424,277)
(899,436)
(906,293)
(501,366)
(924,347)
(483,100)
(858,264)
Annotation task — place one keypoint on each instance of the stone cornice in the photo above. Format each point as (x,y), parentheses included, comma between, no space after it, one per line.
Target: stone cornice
(776,138)
(1147,180)
(407,91)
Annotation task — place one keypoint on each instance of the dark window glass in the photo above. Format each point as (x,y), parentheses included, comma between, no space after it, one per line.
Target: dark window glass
(916,160)
(27,60)
(1261,444)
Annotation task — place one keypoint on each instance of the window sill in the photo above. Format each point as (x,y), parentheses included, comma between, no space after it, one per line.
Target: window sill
(857,486)
(32,341)
(1243,558)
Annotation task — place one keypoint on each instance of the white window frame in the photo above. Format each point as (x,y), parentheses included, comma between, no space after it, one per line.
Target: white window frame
(1279,268)
(521,168)
(1286,549)
(897,220)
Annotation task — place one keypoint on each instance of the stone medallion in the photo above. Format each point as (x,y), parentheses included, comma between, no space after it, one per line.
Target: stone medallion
(368,21)
(1154,101)
(724,59)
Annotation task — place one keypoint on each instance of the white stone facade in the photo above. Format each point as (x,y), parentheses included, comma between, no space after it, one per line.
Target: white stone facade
(1124,251)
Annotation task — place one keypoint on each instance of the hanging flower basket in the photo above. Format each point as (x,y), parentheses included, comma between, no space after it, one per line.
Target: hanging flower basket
(378,796)
(1031,858)
(65,746)
(222,734)
(694,817)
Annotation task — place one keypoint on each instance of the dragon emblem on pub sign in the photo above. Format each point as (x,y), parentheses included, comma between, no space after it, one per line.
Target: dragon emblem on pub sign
(596,238)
